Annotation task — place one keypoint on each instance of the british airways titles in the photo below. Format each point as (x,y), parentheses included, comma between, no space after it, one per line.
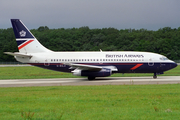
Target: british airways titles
(124,56)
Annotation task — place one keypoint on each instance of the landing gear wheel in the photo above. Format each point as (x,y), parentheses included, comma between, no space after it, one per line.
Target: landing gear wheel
(154,76)
(91,78)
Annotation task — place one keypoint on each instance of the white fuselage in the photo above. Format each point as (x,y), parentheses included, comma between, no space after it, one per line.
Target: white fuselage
(96,57)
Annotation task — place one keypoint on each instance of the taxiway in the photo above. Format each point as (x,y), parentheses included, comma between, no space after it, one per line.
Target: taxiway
(84,81)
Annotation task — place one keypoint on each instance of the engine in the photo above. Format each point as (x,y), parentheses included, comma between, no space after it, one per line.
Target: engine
(103,73)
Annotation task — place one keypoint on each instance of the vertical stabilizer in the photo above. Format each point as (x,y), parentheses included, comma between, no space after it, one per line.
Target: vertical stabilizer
(26,41)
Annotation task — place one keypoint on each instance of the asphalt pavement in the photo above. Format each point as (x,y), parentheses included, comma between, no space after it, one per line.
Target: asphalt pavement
(84,81)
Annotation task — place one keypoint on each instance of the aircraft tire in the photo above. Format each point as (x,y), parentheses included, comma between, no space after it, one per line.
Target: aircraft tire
(91,78)
(154,76)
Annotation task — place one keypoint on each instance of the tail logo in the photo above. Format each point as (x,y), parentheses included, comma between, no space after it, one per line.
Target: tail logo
(23,43)
(22,33)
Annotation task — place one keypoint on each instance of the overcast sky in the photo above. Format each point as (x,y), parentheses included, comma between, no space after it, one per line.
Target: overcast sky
(120,14)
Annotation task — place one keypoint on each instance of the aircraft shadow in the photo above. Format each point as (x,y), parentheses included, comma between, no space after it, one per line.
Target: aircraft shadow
(119,78)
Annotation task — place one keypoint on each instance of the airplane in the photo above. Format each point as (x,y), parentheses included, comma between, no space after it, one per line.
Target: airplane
(89,64)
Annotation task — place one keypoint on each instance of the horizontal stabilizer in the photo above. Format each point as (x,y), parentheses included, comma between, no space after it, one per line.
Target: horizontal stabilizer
(18,54)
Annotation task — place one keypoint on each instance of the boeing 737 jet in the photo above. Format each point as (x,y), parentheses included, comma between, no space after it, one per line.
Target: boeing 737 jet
(89,64)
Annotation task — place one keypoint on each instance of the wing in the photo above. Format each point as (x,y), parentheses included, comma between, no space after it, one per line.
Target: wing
(84,67)
(89,67)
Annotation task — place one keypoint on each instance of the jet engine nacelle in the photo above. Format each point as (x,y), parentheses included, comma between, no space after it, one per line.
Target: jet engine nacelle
(103,73)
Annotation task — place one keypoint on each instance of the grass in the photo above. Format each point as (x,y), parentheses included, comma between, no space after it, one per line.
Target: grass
(31,72)
(86,102)
(91,102)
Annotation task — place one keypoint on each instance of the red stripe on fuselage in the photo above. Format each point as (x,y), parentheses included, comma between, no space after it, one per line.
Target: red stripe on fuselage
(136,66)
(25,44)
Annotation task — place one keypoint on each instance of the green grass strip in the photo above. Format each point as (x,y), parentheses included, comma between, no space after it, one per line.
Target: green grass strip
(108,102)
(31,72)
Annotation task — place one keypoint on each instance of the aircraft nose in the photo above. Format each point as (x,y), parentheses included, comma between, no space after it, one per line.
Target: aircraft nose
(173,65)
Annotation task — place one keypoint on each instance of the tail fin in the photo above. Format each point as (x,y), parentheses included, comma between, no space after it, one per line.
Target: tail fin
(26,41)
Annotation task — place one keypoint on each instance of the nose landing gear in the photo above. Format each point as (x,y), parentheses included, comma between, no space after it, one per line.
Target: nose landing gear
(155,76)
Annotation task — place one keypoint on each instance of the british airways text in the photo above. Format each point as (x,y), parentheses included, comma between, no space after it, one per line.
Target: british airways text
(124,56)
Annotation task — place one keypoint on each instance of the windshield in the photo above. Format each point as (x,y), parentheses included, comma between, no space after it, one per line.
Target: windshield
(164,58)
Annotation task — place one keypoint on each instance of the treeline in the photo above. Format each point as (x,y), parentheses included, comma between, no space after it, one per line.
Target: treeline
(165,41)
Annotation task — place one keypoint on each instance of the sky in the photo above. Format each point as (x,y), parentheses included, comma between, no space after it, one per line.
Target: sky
(119,14)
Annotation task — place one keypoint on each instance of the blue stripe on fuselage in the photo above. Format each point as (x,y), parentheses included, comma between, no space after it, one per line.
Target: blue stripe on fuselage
(122,67)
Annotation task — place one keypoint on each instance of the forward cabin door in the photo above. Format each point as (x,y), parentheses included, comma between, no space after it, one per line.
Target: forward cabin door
(151,63)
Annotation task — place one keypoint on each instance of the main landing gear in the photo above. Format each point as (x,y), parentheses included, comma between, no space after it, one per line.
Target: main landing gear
(155,76)
(91,78)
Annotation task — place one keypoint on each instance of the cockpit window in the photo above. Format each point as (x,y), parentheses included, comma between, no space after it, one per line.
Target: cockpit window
(163,58)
